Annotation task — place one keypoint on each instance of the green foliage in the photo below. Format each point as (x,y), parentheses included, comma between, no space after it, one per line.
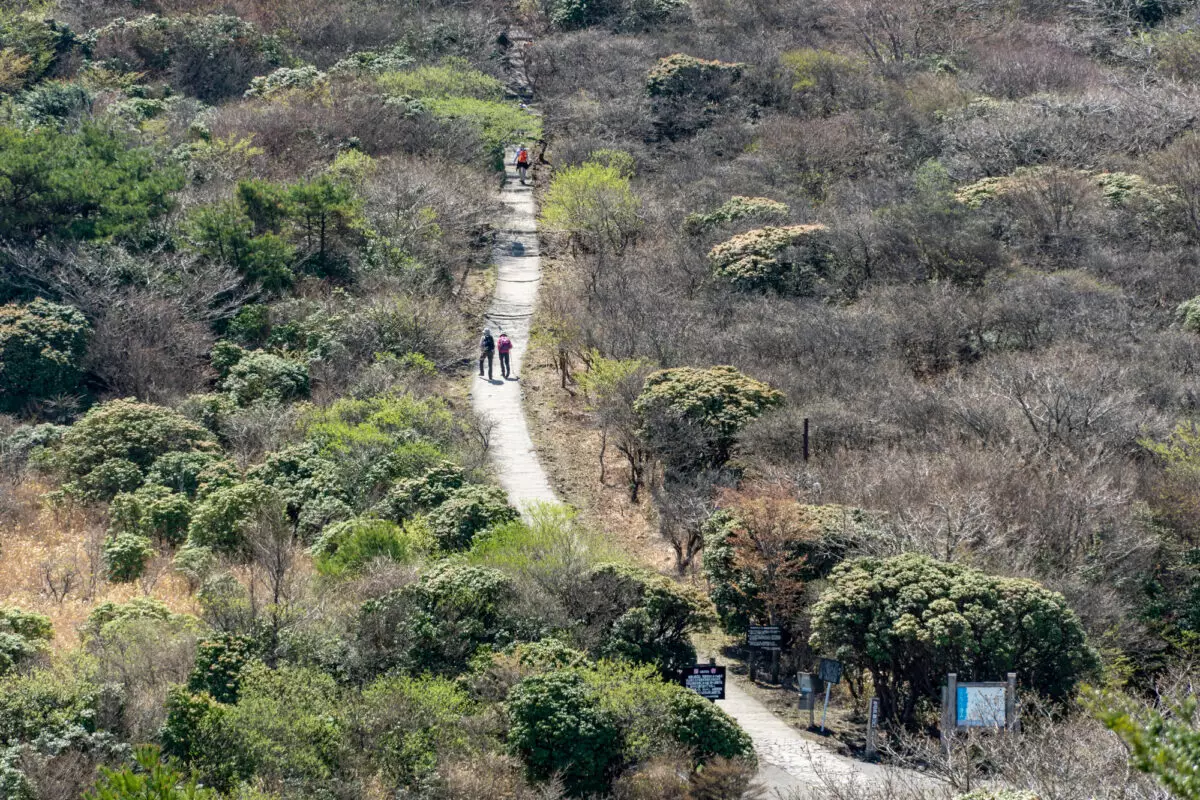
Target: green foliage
(153,781)
(219,664)
(1165,745)
(682,75)
(707,731)
(45,701)
(309,484)
(42,345)
(137,608)
(189,474)
(715,402)
(452,78)
(194,733)
(152,512)
(31,46)
(285,80)
(225,233)
(909,620)
(438,623)
(595,205)
(410,723)
(645,617)
(732,210)
(549,543)
(56,103)
(223,520)
(468,511)
(496,123)
(791,259)
(126,556)
(110,449)
(347,547)
(411,496)
(556,726)
(1188,315)
(91,184)
(23,634)
(261,376)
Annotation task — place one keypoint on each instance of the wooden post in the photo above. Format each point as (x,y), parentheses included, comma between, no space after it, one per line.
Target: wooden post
(1012,717)
(872,727)
(775,667)
(950,707)
(753,664)
(806,439)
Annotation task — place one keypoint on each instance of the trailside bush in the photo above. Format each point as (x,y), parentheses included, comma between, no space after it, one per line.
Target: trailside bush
(42,345)
(23,634)
(466,512)
(259,375)
(790,259)
(715,402)
(732,210)
(126,556)
(222,520)
(344,548)
(557,727)
(594,205)
(110,449)
(909,620)
(412,496)
(452,78)
(151,512)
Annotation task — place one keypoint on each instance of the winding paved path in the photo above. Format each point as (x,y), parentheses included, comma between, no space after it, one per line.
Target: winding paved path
(518,274)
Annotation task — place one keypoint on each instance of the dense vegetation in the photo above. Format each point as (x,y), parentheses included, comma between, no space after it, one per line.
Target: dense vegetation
(250,543)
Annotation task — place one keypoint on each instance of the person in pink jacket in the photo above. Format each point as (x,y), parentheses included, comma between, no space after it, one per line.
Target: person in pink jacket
(504,346)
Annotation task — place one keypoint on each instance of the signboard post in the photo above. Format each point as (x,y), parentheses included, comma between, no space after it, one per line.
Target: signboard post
(872,727)
(980,704)
(764,637)
(808,695)
(830,673)
(706,680)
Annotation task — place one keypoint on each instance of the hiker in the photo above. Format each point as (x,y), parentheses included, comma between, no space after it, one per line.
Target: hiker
(522,162)
(487,346)
(504,346)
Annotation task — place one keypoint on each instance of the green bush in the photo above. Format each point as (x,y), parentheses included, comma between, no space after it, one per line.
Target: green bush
(153,780)
(126,556)
(223,519)
(1188,315)
(715,403)
(57,103)
(682,75)
(45,701)
(302,477)
(791,259)
(42,345)
(466,512)
(137,608)
(734,209)
(1163,742)
(644,617)
(110,449)
(190,474)
(195,734)
(219,664)
(452,78)
(264,376)
(347,547)
(285,80)
(706,730)
(410,723)
(23,634)
(152,512)
(34,46)
(557,727)
(76,186)
(497,123)
(439,623)
(411,496)
(594,204)
(909,620)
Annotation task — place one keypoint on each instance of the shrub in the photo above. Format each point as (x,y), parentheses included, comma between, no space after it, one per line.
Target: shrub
(594,204)
(223,519)
(438,623)
(219,664)
(91,184)
(151,512)
(1188,315)
(153,780)
(260,376)
(286,79)
(496,123)
(115,443)
(789,259)
(195,734)
(23,634)
(644,617)
(909,620)
(45,701)
(346,547)
(557,728)
(42,345)
(31,48)
(57,103)
(733,210)
(682,75)
(411,496)
(137,608)
(302,477)
(189,474)
(126,556)
(706,730)
(466,512)
(1163,742)
(452,78)
(716,402)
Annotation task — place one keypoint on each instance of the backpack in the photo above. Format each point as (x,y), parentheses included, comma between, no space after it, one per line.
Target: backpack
(523,156)
(486,344)
(504,344)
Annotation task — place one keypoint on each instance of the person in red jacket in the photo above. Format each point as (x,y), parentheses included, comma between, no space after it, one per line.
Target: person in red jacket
(504,346)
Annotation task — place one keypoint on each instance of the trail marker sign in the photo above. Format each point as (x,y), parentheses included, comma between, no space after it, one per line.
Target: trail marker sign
(764,637)
(830,670)
(706,680)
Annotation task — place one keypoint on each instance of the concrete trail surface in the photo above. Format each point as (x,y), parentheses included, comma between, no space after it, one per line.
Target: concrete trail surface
(787,762)
(518,274)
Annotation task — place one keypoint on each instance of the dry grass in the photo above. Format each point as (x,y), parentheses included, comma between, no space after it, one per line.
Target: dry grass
(50,563)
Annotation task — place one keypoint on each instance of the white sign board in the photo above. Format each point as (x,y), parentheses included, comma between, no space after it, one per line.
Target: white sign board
(981,706)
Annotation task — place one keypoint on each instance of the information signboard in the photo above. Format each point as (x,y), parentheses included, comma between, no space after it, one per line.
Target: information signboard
(830,670)
(981,705)
(706,680)
(764,637)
